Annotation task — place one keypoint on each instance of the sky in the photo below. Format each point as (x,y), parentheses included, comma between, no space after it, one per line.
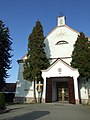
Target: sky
(20,17)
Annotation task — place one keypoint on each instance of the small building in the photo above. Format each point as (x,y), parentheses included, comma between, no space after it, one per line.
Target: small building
(9,91)
(60,80)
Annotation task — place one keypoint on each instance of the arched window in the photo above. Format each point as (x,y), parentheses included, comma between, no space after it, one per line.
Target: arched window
(61,42)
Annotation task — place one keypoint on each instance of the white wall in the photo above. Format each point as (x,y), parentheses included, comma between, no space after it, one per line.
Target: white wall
(84,89)
(23,88)
(60,33)
(20,71)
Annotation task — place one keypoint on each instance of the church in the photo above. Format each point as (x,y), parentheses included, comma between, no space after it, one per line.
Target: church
(60,80)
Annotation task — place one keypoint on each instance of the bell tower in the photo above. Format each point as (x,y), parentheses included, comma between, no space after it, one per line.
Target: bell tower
(61,20)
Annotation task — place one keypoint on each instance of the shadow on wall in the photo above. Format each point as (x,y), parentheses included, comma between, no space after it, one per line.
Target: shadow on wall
(84,90)
(47,48)
(22,90)
(32,116)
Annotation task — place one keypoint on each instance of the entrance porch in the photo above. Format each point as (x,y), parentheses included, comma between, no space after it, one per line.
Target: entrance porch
(60,89)
(58,77)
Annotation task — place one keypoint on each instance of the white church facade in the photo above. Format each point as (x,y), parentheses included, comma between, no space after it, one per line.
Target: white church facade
(60,80)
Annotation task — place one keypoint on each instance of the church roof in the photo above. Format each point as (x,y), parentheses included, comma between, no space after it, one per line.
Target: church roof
(22,59)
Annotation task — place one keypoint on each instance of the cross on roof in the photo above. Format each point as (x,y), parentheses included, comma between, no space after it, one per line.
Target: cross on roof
(61,13)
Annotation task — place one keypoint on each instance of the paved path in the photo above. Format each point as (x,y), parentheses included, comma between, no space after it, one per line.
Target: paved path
(54,111)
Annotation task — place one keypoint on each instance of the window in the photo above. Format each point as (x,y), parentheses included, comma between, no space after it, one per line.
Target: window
(61,42)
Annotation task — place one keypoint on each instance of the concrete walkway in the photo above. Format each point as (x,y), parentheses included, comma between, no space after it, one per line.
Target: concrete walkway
(52,111)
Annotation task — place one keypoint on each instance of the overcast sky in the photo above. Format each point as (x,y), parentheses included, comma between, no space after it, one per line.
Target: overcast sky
(21,15)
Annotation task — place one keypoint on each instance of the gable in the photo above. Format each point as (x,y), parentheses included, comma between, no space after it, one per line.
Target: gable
(60,34)
(60,68)
(61,27)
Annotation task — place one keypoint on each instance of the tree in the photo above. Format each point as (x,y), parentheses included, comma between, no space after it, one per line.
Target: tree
(5,53)
(36,56)
(81,56)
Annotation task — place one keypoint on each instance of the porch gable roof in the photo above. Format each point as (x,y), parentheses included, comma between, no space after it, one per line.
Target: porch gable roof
(59,60)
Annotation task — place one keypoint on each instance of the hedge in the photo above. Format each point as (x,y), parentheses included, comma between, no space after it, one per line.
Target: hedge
(2,100)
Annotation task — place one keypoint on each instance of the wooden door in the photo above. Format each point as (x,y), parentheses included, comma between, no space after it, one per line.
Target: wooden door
(48,90)
(71,90)
(59,94)
(62,91)
(63,94)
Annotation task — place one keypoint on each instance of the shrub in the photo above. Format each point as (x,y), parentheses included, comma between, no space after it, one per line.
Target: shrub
(2,100)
